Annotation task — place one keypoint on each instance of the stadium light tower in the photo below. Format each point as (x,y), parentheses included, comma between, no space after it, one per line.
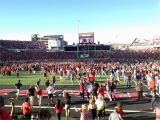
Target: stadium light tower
(78,21)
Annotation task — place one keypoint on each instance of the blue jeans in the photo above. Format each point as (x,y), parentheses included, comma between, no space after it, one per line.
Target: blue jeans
(82,95)
(58,116)
(154,100)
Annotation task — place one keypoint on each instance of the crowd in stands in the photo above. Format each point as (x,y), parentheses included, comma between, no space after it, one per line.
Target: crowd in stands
(115,55)
(10,44)
(6,55)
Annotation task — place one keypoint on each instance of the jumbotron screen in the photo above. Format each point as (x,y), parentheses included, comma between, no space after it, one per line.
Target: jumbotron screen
(86,38)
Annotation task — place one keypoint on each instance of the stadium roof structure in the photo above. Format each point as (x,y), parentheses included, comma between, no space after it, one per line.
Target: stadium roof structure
(145,43)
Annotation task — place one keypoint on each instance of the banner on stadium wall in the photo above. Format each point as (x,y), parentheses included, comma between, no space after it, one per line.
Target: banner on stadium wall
(86,38)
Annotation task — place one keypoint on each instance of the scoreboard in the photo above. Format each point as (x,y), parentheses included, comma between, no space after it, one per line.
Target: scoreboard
(86,38)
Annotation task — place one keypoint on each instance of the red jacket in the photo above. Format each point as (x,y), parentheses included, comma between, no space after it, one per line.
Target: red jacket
(59,110)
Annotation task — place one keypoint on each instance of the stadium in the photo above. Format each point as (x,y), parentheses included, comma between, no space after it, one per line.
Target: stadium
(74,68)
(89,60)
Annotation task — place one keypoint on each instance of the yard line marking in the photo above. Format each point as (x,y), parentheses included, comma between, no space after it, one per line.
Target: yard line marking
(72,108)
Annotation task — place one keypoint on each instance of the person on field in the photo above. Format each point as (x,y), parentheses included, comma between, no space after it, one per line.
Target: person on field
(82,90)
(95,89)
(88,90)
(61,76)
(53,80)
(115,115)
(18,88)
(47,83)
(45,74)
(85,114)
(152,85)
(50,94)
(139,90)
(92,107)
(101,91)
(67,100)
(4,115)
(154,100)
(157,111)
(108,89)
(39,93)
(119,109)
(58,109)
(26,108)
(31,93)
(101,104)
(113,90)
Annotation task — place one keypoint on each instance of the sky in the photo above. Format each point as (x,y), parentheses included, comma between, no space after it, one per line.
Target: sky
(112,21)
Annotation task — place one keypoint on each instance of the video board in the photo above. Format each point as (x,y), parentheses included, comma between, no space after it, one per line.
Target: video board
(86,38)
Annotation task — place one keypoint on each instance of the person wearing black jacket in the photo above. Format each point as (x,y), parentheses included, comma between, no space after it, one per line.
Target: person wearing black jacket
(18,87)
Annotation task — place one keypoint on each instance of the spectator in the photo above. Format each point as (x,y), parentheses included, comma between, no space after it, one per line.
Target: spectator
(154,100)
(82,90)
(26,108)
(85,114)
(31,93)
(67,100)
(101,104)
(152,85)
(4,114)
(101,91)
(18,86)
(92,107)
(139,90)
(157,111)
(39,93)
(50,94)
(58,109)
(115,115)
(119,109)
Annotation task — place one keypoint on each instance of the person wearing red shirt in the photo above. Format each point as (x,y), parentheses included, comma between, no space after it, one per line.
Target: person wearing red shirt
(152,85)
(101,91)
(58,109)
(82,89)
(4,115)
(26,108)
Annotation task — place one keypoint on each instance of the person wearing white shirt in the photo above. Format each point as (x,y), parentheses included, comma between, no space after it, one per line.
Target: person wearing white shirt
(89,89)
(50,94)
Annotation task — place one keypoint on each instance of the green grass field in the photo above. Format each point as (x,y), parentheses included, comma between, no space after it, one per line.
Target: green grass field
(28,79)
(20,117)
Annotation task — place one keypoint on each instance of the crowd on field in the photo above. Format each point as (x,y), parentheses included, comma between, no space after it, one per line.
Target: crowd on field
(142,74)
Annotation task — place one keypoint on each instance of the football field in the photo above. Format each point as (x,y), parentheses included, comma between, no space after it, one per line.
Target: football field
(133,109)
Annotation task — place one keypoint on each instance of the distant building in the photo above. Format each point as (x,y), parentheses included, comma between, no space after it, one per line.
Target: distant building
(53,42)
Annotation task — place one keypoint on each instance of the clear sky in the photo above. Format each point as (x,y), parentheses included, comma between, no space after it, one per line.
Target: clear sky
(114,21)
